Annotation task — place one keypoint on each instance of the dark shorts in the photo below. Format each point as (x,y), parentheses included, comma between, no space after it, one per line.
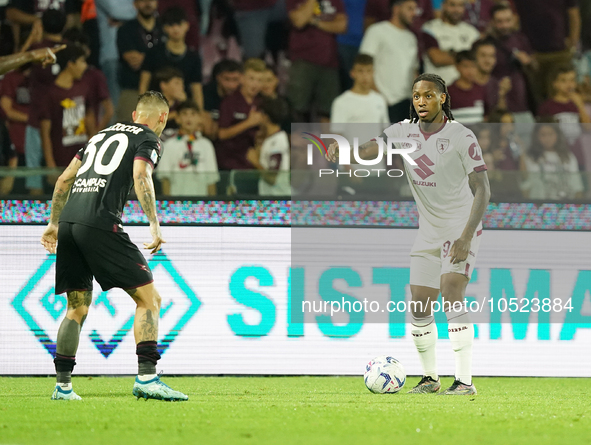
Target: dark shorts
(85,252)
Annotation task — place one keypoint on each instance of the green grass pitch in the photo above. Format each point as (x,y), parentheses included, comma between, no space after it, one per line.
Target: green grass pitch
(296,410)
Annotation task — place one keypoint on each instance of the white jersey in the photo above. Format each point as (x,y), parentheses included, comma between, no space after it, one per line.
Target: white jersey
(439,181)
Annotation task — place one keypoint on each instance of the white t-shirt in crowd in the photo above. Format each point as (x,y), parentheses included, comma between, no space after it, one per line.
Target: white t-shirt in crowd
(353,108)
(395,52)
(448,37)
(189,163)
(275,156)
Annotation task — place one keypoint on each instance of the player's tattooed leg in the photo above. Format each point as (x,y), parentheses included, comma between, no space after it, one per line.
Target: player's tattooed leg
(148,327)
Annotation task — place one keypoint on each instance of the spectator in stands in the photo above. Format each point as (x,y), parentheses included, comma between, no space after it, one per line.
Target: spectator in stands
(240,118)
(379,10)
(394,49)
(469,99)
(446,36)
(224,81)
(109,16)
(272,157)
(192,12)
(24,13)
(552,170)
(175,53)
(485,55)
(134,39)
(553,28)
(253,18)
(42,77)
(66,117)
(8,158)
(508,146)
(513,58)
(477,12)
(188,166)
(566,106)
(269,89)
(170,82)
(360,104)
(96,81)
(348,43)
(15,99)
(314,77)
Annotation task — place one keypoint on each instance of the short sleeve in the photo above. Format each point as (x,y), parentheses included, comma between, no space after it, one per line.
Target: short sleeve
(429,40)
(8,85)
(194,72)
(470,152)
(370,43)
(150,61)
(80,153)
(124,39)
(393,131)
(150,151)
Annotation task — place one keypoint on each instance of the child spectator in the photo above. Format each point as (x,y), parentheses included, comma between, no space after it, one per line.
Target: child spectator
(566,106)
(175,53)
(188,166)
(66,117)
(272,157)
(169,81)
(469,100)
(552,170)
(239,118)
(361,104)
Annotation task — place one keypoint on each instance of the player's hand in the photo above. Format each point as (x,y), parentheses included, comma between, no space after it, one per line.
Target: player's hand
(460,250)
(46,56)
(332,152)
(157,240)
(49,238)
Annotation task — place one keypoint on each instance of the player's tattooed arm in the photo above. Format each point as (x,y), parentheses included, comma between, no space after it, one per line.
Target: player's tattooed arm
(62,190)
(60,196)
(144,189)
(480,187)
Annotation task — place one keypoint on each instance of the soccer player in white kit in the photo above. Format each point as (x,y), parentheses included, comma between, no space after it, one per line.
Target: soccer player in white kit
(451,189)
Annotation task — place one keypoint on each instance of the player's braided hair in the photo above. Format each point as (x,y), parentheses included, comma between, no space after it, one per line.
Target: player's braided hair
(441,87)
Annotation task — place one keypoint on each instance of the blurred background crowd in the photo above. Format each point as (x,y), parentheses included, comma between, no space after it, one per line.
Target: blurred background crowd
(237,73)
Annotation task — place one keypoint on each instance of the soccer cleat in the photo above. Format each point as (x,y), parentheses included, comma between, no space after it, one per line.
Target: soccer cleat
(61,394)
(459,389)
(426,386)
(155,389)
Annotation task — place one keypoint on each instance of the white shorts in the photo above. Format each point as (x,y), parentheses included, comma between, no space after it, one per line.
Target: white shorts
(430,260)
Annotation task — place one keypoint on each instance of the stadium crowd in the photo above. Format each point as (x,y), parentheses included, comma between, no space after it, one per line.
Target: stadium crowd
(237,73)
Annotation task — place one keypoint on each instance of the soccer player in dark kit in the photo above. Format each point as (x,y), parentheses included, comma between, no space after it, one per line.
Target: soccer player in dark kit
(91,242)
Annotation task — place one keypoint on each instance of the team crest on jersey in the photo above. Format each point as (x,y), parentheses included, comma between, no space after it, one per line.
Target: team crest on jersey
(442,145)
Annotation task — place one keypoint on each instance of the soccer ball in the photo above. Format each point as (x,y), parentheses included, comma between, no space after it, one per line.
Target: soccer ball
(384,375)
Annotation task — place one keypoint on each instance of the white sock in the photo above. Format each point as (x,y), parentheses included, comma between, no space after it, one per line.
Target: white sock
(65,386)
(424,335)
(146,377)
(461,336)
